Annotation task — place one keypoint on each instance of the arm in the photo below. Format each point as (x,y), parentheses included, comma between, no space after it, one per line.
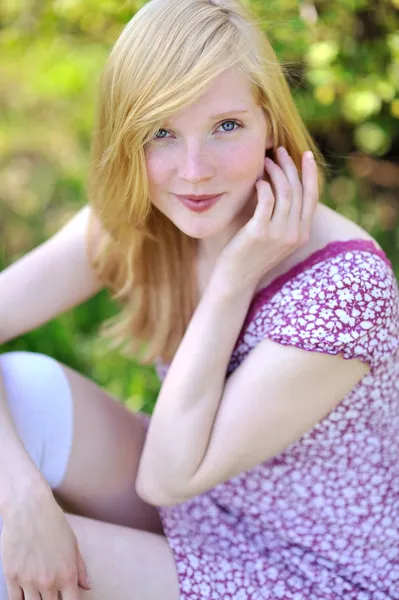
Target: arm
(189,398)
(49,280)
(204,432)
(38,548)
(19,477)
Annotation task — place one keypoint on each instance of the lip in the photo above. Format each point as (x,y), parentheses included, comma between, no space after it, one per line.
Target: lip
(199,204)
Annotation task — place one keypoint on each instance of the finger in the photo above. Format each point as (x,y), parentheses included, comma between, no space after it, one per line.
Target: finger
(83,578)
(283,192)
(14,591)
(291,172)
(70,593)
(50,595)
(264,208)
(31,593)
(310,186)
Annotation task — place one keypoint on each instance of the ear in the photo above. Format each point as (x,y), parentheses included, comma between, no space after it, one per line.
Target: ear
(269,144)
(269,131)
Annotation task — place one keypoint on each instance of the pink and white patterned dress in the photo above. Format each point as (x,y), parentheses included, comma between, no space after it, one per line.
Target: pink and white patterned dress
(320,521)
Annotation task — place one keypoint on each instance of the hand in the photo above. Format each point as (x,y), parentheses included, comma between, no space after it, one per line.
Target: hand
(40,553)
(281,223)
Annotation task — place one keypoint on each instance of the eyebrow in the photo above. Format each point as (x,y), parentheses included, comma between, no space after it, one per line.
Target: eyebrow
(227,113)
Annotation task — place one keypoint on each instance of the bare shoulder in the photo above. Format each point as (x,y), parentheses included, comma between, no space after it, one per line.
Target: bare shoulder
(328,226)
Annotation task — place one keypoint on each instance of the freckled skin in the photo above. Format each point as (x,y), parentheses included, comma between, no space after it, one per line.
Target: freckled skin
(197,154)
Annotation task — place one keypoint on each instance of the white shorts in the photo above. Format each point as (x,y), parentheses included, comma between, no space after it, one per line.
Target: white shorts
(41,405)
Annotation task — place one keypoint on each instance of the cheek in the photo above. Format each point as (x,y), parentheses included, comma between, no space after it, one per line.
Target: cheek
(157,168)
(245,162)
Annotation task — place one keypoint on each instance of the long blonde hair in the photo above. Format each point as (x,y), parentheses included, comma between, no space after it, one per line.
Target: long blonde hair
(165,58)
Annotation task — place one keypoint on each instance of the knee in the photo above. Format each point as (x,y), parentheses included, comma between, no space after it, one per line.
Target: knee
(40,401)
(27,377)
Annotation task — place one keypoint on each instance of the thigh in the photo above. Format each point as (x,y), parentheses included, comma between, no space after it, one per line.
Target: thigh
(124,563)
(106,448)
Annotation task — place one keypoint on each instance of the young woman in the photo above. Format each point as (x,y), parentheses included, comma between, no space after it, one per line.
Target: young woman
(269,468)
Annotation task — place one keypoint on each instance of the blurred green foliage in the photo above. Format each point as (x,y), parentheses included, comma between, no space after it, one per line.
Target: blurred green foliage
(342,62)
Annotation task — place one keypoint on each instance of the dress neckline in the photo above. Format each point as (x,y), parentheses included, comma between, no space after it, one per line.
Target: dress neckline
(330,250)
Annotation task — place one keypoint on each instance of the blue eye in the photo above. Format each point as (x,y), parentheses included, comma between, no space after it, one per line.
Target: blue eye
(229,122)
(162,137)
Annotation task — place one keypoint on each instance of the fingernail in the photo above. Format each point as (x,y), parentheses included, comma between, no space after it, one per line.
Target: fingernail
(309,155)
(282,150)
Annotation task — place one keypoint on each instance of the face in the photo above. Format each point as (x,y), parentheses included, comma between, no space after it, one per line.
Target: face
(215,147)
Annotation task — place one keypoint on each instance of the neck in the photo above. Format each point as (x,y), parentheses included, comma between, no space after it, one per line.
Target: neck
(209,249)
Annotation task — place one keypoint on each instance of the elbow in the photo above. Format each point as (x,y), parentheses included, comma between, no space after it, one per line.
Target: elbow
(152,494)
(147,494)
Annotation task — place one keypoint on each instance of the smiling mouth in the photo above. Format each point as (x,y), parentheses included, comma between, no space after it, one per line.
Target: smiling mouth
(198,196)
(199,204)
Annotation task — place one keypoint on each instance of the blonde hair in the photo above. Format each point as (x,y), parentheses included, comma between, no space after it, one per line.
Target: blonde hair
(165,58)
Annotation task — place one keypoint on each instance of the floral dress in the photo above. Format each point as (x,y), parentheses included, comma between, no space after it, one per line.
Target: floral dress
(319,521)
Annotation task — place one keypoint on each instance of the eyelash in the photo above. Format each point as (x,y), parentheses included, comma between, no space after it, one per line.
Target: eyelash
(223,123)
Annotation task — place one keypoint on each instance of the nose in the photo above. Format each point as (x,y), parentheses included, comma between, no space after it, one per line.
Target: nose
(195,164)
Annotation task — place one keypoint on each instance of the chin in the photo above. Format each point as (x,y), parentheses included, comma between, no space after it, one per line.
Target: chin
(202,228)
(199,231)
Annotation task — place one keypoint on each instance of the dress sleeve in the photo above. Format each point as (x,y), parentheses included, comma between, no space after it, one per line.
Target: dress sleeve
(347,304)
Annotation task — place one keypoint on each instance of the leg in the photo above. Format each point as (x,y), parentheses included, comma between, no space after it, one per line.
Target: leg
(87,444)
(125,564)
(108,440)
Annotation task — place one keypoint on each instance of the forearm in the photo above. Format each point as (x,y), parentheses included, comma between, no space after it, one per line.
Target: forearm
(18,473)
(189,399)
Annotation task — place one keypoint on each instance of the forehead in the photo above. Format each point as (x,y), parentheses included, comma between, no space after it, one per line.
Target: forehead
(230,91)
